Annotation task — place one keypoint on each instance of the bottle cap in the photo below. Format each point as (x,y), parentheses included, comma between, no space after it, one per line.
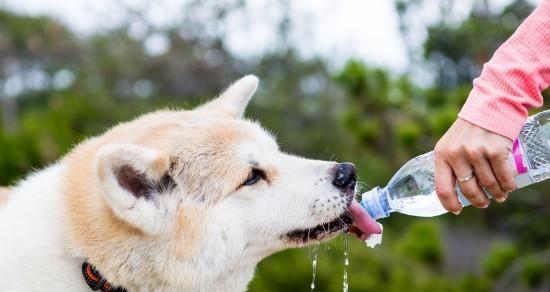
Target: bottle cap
(376,203)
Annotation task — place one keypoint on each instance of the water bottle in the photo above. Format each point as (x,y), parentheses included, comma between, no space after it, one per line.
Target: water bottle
(411,191)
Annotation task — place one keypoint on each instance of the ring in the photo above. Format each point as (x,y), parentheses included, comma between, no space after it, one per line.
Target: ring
(465,178)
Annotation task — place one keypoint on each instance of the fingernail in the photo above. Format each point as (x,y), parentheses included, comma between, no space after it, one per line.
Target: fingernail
(485,207)
(501,199)
(457,212)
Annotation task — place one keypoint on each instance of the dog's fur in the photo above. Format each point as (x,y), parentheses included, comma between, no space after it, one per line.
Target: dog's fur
(3,195)
(159,204)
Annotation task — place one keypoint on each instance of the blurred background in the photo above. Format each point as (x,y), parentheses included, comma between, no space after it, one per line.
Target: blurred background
(372,82)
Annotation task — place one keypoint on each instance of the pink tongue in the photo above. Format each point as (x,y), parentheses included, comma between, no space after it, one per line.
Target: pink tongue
(363,220)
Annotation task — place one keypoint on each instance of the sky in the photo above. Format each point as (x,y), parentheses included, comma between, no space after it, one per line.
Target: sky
(336,30)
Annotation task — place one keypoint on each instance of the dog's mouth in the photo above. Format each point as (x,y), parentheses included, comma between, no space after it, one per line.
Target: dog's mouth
(321,231)
(354,220)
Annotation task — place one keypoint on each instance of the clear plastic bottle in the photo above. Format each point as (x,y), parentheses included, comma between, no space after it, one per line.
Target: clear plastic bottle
(411,191)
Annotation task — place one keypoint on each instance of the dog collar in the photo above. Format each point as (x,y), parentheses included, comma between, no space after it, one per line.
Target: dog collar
(96,281)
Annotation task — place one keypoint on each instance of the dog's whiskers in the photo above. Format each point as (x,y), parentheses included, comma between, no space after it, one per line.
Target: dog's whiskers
(361,187)
(342,221)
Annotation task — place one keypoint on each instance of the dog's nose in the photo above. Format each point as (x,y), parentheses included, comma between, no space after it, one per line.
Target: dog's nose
(345,176)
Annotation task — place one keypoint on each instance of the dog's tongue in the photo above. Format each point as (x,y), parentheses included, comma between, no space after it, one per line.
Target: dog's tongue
(363,220)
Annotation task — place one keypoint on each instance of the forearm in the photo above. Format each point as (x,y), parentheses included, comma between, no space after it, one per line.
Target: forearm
(512,81)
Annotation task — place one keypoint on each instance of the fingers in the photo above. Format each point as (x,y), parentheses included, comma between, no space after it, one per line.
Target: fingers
(467,149)
(469,188)
(502,173)
(486,177)
(445,186)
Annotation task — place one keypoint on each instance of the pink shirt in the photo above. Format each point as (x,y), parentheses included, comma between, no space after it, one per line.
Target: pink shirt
(512,81)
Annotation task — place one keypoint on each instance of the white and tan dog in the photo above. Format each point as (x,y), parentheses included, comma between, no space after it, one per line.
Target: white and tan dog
(172,201)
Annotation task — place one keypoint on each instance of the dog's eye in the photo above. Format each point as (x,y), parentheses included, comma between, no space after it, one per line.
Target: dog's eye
(255,176)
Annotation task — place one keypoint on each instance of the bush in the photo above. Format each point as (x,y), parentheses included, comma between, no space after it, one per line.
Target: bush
(422,243)
(499,258)
(533,271)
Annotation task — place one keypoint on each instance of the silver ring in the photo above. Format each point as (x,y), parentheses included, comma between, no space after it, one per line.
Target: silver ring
(465,178)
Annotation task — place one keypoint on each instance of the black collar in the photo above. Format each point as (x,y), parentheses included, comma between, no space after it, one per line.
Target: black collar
(96,281)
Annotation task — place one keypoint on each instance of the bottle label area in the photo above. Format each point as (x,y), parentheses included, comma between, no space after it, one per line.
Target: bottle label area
(518,154)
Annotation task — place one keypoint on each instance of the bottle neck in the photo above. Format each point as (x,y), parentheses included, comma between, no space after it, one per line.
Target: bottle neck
(376,203)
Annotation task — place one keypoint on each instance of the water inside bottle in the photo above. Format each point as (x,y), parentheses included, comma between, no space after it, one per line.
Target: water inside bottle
(415,178)
(421,205)
(414,194)
(535,138)
(541,174)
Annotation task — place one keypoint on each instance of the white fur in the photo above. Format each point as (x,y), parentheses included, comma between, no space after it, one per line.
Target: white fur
(34,254)
(236,97)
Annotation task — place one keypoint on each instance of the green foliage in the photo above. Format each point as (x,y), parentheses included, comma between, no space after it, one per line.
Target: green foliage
(441,120)
(354,78)
(459,51)
(533,271)
(422,243)
(499,258)
(473,283)
(408,132)
(26,34)
(21,154)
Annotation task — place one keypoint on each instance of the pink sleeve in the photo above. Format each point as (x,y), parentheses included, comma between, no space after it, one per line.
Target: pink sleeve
(512,81)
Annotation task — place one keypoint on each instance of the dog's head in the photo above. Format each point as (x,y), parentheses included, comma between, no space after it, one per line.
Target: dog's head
(185,189)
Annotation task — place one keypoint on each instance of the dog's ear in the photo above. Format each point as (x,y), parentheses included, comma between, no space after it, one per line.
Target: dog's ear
(233,100)
(136,184)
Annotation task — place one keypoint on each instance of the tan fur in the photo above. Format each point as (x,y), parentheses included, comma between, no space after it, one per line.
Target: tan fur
(173,133)
(4,191)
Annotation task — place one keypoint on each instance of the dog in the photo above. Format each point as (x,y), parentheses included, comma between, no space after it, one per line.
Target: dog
(4,195)
(187,200)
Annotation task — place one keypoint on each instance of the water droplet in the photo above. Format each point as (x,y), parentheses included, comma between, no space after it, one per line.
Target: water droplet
(314,265)
(346,263)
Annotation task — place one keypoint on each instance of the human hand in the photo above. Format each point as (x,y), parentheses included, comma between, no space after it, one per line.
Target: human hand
(475,158)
